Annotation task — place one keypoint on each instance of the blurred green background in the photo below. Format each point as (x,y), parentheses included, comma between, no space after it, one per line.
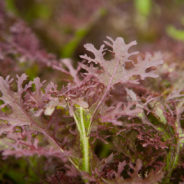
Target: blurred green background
(64,25)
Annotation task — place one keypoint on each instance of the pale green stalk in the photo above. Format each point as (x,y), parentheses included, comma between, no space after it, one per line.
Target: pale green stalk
(83,123)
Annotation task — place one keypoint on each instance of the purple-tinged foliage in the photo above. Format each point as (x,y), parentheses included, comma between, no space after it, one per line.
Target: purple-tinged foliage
(19,45)
(114,71)
(21,118)
(106,104)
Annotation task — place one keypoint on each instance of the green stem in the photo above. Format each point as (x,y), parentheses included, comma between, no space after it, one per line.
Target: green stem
(85,143)
(174,152)
(85,149)
(82,126)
